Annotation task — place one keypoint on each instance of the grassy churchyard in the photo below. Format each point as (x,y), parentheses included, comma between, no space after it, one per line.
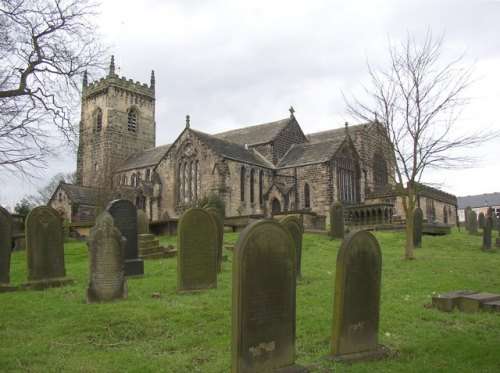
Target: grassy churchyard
(155,329)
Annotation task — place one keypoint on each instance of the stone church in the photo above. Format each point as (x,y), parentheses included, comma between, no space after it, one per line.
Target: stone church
(257,170)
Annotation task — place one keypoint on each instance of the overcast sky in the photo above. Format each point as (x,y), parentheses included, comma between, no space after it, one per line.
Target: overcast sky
(230,63)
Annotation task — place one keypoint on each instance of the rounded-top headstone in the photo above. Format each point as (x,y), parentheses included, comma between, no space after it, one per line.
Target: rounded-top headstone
(337,220)
(294,227)
(5,245)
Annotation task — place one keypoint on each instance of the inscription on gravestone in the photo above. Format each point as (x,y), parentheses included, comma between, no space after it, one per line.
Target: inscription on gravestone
(418,223)
(293,226)
(264,280)
(472,223)
(5,245)
(487,234)
(357,299)
(337,220)
(197,251)
(219,223)
(124,215)
(107,276)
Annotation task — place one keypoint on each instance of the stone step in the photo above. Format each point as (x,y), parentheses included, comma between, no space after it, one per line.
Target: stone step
(151,250)
(145,244)
(145,237)
(474,302)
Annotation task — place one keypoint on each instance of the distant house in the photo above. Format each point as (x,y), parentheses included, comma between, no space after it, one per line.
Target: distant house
(479,203)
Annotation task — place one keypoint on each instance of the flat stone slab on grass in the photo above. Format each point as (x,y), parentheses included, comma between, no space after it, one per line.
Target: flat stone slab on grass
(447,302)
(474,302)
(494,305)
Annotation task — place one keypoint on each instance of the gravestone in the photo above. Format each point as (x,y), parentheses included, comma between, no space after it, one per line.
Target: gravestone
(490,211)
(124,215)
(293,226)
(106,247)
(337,220)
(473,223)
(487,234)
(357,299)
(196,251)
(45,249)
(418,224)
(467,211)
(5,250)
(219,223)
(481,220)
(142,222)
(263,307)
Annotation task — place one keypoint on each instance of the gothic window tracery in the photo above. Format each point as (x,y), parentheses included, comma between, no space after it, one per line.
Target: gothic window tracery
(188,175)
(379,171)
(261,187)
(132,120)
(252,185)
(347,185)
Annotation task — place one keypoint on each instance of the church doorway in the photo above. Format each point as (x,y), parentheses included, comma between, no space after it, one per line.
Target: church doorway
(275,205)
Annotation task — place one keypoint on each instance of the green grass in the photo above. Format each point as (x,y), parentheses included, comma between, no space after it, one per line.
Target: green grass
(55,330)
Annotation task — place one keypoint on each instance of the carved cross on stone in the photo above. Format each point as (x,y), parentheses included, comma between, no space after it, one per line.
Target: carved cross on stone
(292,110)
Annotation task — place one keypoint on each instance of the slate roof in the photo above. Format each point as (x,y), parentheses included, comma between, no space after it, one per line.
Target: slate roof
(311,153)
(254,135)
(233,151)
(335,133)
(480,200)
(81,194)
(147,158)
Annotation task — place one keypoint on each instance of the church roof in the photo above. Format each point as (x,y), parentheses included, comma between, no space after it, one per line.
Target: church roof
(233,151)
(311,153)
(335,133)
(147,158)
(81,194)
(480,200)
(254,135)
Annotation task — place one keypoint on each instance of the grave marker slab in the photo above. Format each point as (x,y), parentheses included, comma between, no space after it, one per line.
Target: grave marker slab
(481,220)
(124,214)
(219,223)
(357,299)
(418,224)
(473,223)
(196,251)
(467,211)
(473,302)
(45,249)
(107,275)
(337,220)
(5,250)
(447,302)
(488,226)
(142,222)
(264,282)
(293,226)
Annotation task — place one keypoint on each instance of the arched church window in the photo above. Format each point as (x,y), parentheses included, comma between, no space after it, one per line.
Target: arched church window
(379,171)
(346,177)
(188,175)
(132,120)
(307,196)
(148,173)
(252,183)
(261,187)
(132,180)
(242,183)
(98,120)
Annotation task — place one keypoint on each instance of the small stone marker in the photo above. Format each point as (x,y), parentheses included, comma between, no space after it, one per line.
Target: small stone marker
(481,220)
(487,234)
(473,223)
(447,302)
(5,250)
(142,222)
(264,282)
(418,224)
(467,211)
(219,223)
(473,302)
(45,249)
(293,226)
(196,251)
(124,215)
(337,220)
(107,275)
(357,299)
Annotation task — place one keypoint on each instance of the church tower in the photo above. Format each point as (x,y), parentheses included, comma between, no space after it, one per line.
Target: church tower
(117,119)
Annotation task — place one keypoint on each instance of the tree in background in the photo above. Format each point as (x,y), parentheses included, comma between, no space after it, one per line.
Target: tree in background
(418,100)
(45,48)
(23,207)
(43,194)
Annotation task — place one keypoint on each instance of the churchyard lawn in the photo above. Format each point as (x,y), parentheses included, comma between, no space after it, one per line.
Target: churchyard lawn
(156,329)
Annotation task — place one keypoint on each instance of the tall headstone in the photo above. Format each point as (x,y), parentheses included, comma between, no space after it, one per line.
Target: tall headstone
(293,226)
(107,276)
(418,223)
(487,234)
(196,251)
(124,215)
(473,223)
(481,220)
(45,249)
(219,223)
(5,249)
(357,299)
(264,282)
(337,220)
(467,211)
(142,222)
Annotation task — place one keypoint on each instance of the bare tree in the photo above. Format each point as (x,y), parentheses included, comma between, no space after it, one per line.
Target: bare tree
(418,100)
(45,48)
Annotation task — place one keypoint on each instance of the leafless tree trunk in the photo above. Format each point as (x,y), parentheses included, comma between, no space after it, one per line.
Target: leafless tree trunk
(45,47)
(418,100)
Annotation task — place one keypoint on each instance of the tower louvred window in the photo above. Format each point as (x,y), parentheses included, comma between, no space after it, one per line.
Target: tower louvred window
(132,120)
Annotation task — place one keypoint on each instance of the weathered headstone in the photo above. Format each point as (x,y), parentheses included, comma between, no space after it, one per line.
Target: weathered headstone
(45,249)
(418,223)
(481,220)
(264,282)
(467,211)
(357,299)
(293,226)
(196,251)
(473,223)
(124,215)
(219,223)
(142,222)
(5,250)
(107,276)
(337,220)
(487,234)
